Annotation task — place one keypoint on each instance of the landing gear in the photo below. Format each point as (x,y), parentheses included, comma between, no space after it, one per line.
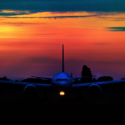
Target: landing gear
(80,97)
(62,99)
(45,98)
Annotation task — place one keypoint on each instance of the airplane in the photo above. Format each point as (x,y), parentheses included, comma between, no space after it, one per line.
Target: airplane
(61,82)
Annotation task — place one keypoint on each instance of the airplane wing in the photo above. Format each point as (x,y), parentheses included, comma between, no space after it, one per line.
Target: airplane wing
(25,83)
(97,83)
(83,77)
(41,77)
(19,90)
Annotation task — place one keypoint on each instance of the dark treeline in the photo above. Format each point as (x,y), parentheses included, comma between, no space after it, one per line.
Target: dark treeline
(86,76)
(87,72)
(5,78)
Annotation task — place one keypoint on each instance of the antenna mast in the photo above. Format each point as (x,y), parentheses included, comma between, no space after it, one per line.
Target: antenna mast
(62,57)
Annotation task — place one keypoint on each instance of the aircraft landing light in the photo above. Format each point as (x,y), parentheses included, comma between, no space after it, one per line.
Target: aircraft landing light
(62,93)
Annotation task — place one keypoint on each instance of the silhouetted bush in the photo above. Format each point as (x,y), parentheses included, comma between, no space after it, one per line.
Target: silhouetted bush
(122,78)
(71,75)
(94,80)
(17,80)
(86,72)
(4,78)
(122,83)
(104,78)
(76,81)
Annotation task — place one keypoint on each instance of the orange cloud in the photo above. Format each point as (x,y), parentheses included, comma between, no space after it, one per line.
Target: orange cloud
(14,11)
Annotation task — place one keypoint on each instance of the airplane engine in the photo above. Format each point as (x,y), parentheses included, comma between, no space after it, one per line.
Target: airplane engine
(30,90)
(94,89)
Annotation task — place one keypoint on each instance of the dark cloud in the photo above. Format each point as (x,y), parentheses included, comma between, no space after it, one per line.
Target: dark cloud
(119,19)
(64,5)
(22,23)
(55,17)
(11,14)
(102,43)
(46,60)
(115,62)
(116,28)
(47,34)
(43,60)
(99,62)
(109,17)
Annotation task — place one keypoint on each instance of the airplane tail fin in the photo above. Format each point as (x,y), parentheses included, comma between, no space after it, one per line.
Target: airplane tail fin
(62,57)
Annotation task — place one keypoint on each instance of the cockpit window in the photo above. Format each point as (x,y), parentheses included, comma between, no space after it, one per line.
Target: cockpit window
(61,80)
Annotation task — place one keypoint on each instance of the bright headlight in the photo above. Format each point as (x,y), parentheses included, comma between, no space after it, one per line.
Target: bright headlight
(62,93)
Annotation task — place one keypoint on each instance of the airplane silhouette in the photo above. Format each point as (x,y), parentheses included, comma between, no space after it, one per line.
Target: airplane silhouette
(61,82)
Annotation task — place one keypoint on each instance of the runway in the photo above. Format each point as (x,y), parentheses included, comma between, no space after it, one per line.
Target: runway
(107,108)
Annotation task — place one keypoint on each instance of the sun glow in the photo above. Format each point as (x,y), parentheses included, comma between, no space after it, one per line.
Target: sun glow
(6,28)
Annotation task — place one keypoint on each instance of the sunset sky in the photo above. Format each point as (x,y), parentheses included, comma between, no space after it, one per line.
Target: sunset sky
(32,33)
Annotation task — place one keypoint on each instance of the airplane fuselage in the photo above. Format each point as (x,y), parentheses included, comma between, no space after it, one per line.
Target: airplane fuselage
(62,80)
